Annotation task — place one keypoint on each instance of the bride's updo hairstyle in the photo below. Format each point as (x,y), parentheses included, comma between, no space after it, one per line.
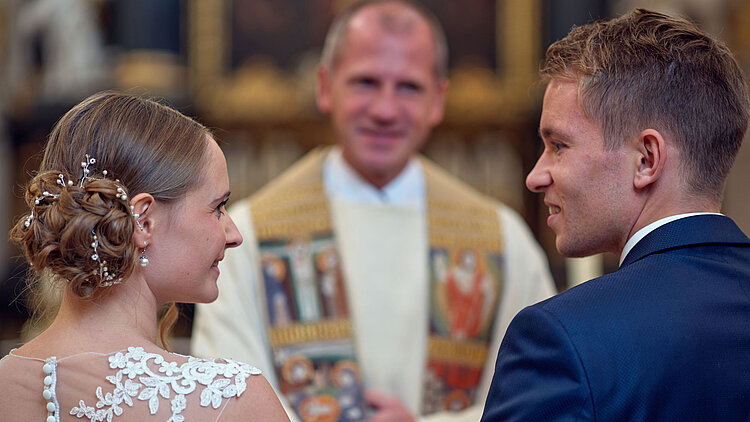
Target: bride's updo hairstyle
(143,146)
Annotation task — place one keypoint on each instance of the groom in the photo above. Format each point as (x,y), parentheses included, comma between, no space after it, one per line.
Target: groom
(642,118)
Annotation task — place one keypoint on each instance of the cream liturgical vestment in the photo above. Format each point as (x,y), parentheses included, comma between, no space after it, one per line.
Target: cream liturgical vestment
(405,290)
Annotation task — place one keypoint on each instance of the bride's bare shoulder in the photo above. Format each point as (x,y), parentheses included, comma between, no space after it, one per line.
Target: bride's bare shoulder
(259,401)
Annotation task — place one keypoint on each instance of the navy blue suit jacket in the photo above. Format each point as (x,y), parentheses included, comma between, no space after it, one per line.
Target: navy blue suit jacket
(664,338)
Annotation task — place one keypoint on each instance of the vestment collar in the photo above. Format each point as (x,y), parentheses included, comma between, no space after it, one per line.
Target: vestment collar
(341,181)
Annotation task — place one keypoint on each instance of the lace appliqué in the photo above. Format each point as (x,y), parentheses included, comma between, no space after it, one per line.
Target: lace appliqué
(171,378)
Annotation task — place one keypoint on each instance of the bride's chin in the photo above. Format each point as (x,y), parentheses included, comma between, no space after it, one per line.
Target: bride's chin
(211,295)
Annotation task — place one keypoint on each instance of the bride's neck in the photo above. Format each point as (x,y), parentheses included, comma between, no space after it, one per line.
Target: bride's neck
(121,315)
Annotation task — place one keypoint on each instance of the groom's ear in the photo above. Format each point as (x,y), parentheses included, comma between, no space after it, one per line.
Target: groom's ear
(650,158)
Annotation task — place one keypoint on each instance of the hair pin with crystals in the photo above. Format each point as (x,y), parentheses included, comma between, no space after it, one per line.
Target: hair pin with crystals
(85,172)
(106,279)
(61,181)
(38,200)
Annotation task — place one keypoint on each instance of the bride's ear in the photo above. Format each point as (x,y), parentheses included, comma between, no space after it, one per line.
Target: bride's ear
(143,213)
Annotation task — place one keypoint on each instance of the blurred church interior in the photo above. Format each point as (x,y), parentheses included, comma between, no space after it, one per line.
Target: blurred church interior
(245,68)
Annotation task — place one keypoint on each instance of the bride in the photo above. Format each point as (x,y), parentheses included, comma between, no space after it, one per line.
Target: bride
(126,214)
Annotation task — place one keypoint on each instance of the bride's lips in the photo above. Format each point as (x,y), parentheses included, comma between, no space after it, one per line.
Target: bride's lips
(215,265)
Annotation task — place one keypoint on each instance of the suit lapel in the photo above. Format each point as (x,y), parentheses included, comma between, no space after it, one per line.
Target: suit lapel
(688,231)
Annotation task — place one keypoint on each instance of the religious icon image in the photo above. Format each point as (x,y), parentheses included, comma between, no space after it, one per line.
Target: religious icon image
(310,333)
(303,273)
(331,284)
(465,290)
(278,291)
(469,288)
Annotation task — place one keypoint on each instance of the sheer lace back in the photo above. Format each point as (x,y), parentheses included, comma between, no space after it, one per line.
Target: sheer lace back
(127,385)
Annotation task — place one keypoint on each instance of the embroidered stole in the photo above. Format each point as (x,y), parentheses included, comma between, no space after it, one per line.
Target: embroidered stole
(309,326)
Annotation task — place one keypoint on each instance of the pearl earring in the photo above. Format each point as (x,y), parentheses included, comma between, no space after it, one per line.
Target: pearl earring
(143,261)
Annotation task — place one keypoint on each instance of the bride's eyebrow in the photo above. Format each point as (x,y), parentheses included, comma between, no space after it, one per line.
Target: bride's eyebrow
(222,198)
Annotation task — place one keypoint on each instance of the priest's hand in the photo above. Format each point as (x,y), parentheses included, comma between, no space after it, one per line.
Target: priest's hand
(387,408)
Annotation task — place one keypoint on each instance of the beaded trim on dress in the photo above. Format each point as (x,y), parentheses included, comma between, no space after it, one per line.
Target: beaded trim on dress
(49,393)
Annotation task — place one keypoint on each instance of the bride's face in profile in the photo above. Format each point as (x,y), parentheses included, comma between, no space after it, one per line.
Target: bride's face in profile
(185,252)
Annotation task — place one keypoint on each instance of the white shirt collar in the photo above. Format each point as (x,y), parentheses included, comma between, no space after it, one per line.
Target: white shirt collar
(640,234)
(341,181)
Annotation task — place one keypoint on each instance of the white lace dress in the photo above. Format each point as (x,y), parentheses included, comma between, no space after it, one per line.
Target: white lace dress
(127,385)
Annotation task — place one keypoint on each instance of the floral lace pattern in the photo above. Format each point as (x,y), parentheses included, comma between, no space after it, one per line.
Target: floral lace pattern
(136,378)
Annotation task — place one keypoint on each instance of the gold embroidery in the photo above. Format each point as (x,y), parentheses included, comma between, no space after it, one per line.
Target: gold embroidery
(471,354)
(295,205)
(459,217)
(307,332)
(281,229)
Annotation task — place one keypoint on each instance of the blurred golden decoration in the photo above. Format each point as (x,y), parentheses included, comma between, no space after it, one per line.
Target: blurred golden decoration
(258,91)
(339,5)
(207,37)
(158,72)
(739,34)
(519,43)
(475,95)
(4,29)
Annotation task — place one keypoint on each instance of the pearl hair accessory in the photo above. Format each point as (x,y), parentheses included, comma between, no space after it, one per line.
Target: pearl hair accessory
(85,165)
(106,278)
(30,217)
(38,200)
(61,180)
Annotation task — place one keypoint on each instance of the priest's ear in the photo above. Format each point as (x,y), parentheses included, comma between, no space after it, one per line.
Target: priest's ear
(651,157)
(322,89)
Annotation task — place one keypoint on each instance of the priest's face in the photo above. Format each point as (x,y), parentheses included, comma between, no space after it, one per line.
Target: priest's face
(382,93)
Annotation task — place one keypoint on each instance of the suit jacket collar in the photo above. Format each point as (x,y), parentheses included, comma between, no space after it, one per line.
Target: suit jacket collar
(689,231)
